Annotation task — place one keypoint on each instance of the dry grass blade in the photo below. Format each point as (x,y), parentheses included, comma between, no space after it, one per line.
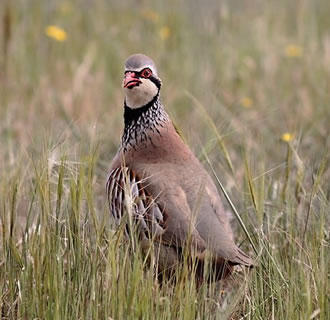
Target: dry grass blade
(231,205)
(215,130)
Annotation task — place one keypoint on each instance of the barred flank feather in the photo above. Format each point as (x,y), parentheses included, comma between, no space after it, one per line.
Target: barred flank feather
(126,195)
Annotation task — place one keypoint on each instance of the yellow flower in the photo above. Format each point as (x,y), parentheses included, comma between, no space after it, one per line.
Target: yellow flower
(246,102)
(56,33)
(293,51)
(151,15)
(287,137)
(164,32)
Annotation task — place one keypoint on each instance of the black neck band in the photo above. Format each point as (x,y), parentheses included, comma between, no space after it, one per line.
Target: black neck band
(134,114)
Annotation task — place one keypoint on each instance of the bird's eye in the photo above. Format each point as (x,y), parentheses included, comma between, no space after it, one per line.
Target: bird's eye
(146,73)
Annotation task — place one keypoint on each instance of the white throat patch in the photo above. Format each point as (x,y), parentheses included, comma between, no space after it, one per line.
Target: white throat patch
(140,95)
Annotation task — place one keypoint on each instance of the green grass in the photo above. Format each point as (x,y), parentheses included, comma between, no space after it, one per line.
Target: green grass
(60,124)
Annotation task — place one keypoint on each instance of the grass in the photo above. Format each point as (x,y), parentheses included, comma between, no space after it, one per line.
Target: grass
(236,78)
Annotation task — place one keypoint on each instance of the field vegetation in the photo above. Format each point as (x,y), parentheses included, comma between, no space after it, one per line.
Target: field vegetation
(247,84)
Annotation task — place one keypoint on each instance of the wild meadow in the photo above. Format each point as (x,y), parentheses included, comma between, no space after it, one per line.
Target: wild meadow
(247,83)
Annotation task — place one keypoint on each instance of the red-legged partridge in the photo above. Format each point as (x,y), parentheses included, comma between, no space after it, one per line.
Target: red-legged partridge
(158,181)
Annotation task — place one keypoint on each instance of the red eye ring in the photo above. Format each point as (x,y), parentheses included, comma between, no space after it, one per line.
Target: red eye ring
(146,73)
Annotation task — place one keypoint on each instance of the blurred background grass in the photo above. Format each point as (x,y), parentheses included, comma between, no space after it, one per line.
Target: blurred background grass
(248,81)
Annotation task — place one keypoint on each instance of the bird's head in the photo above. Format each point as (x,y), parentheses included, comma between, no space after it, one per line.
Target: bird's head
(141,83)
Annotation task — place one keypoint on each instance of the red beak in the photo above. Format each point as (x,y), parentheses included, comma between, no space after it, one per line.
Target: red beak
(131,80)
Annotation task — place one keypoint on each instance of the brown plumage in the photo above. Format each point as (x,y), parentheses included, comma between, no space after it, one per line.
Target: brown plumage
(158,180)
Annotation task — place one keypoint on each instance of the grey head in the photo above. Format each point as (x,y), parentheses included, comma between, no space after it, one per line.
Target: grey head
(141,83)
(139,61)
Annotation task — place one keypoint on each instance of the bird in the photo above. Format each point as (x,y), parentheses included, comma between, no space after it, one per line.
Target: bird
(158,188)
